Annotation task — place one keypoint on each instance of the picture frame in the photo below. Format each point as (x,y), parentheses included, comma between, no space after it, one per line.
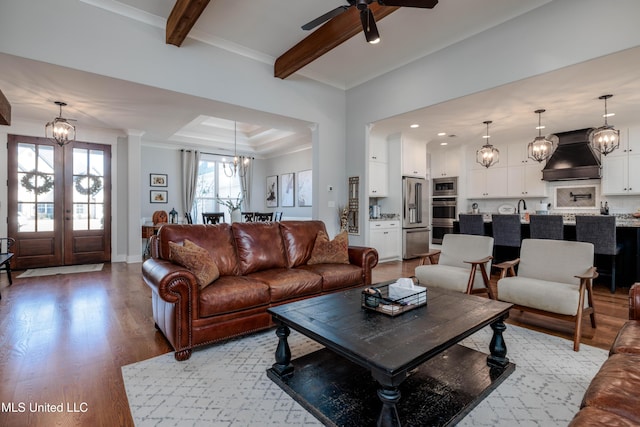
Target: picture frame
(305,190)
(158,180)
(158,196)
(287,190)
(271,193)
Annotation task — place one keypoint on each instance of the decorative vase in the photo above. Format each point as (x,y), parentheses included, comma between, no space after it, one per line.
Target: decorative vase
(236,216)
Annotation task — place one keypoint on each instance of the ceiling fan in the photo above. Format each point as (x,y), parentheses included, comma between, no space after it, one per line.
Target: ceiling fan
(366,15)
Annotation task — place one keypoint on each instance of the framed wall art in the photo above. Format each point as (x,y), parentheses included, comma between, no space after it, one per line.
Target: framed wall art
(158,196)
(158,179)
(304,188)
(272,191)
(287,185)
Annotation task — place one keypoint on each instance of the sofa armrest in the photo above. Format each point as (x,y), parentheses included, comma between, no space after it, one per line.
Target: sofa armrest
(365,258)
(432,256)
(634,302)
(172,282)
(480,261)
(591,274)
(507,267)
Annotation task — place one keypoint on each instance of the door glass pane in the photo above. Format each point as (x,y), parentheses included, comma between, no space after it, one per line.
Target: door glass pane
(88,189)
(36,187)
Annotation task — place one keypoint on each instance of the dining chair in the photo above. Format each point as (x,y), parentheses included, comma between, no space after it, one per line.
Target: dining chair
(248,216)
(212,217)
(5,256)
(188,217)
(277,216)
(546,227)
(601,231)
(263,216)
(471,224)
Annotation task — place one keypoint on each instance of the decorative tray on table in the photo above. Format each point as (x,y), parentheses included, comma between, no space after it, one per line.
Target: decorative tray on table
(394,298)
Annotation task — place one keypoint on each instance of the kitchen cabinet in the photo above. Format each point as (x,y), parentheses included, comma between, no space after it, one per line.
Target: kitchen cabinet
(488,183)
(378,150)
(621,168)
(445,163)
(517,155)
(378,179)
(414,158)
(525,180)
(384,236)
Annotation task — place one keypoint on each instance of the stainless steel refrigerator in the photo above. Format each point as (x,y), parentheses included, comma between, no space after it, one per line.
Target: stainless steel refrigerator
(415,217)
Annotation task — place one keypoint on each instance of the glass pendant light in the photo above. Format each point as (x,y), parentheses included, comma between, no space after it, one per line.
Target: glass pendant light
(488,155)
(605,139)
(59,130)
(540,148)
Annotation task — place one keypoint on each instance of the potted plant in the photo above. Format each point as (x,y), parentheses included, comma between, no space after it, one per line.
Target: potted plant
(232,205)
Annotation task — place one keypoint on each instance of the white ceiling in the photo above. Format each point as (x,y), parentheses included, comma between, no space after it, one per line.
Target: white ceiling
(265,29)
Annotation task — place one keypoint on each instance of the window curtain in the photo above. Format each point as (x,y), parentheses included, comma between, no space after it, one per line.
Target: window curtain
(245,186)
(190,161)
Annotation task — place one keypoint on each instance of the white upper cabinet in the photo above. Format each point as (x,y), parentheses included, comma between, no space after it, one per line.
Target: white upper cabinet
(378,150)
(414,157)
(487,183)
(378,179)
(621,168)
(445,162)
(525,174)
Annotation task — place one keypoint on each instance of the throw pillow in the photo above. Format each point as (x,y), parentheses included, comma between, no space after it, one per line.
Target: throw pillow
(196,259)
(327,251)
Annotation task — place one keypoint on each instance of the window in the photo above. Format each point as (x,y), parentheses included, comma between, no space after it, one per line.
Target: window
(212,181)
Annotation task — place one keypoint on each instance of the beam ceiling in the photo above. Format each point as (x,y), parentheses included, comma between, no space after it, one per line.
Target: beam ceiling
(183,17)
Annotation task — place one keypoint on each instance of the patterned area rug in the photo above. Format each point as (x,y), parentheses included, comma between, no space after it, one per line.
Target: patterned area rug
(68,269)
(226,384)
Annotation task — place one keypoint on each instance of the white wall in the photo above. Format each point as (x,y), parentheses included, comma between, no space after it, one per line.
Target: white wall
(509,52)
(163,161)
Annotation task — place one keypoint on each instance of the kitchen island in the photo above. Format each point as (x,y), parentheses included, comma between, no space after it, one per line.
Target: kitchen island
(627,234)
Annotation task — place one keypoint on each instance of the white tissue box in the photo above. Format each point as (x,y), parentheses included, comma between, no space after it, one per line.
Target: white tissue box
(411,294)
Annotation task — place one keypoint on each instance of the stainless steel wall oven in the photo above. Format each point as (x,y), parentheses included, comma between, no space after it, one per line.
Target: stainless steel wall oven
(444,211)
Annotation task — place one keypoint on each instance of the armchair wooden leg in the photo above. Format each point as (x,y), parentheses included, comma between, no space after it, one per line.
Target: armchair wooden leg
(485,278)
(472,277)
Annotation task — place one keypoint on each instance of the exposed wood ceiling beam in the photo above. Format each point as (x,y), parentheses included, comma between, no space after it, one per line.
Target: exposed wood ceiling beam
(184,15)
(5,110)
(335,32)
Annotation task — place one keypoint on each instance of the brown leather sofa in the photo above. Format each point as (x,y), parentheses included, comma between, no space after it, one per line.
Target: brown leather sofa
(262,264)
(613,397)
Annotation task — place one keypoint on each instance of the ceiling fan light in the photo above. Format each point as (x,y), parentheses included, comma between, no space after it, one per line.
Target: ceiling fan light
(369,26)
(605,139)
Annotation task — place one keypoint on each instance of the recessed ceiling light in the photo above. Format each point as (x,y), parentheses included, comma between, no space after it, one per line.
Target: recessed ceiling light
(609,115)
(415,125)
(444,143)
(442,133)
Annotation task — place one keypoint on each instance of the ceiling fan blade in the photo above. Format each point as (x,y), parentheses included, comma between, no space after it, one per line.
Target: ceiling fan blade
(327,16)
(429,4)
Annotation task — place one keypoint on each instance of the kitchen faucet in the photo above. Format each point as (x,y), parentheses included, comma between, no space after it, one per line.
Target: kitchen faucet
(524,205)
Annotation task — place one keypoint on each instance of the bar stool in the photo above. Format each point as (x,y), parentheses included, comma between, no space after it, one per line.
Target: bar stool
(601,231)
(546,227)
(471,224)
(506,237)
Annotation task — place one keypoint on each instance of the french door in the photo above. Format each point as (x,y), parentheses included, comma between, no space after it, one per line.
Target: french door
(59,202)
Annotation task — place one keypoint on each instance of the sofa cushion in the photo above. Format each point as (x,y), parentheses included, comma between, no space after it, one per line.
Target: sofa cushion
(628,338)
(229,294)
(448,277)
(334,251)
(458,248)
(555,260)
(216,239)
(615,386)
(299,238)
(336,276)
(286,283)
(259,246)
(595,417)
(560,298)
(197,260)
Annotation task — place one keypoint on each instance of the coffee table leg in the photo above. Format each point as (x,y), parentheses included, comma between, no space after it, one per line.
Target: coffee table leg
(283,367)
(389,396)
(498,357)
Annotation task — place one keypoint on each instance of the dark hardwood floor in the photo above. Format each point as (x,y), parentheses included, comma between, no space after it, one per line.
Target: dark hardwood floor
(63,340)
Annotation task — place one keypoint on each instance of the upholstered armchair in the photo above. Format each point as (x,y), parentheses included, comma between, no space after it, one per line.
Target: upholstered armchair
(461,265)
(554,278)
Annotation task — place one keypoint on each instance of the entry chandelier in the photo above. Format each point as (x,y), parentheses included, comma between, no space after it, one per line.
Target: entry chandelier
(239,164)
(59,130)
(605,139)
(540,148)
(488,155)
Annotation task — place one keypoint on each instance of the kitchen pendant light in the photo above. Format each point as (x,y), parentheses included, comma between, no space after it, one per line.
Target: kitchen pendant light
(239,164)
(605,139)
(540,148)
(488,155)
(59,130)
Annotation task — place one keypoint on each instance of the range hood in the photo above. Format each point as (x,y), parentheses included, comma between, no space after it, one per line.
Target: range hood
(573,158)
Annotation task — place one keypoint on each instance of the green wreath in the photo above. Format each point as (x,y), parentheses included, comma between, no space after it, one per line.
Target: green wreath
(96,185)
(28,182)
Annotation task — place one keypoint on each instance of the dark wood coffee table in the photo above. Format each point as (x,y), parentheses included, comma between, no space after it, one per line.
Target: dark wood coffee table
(415,353)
